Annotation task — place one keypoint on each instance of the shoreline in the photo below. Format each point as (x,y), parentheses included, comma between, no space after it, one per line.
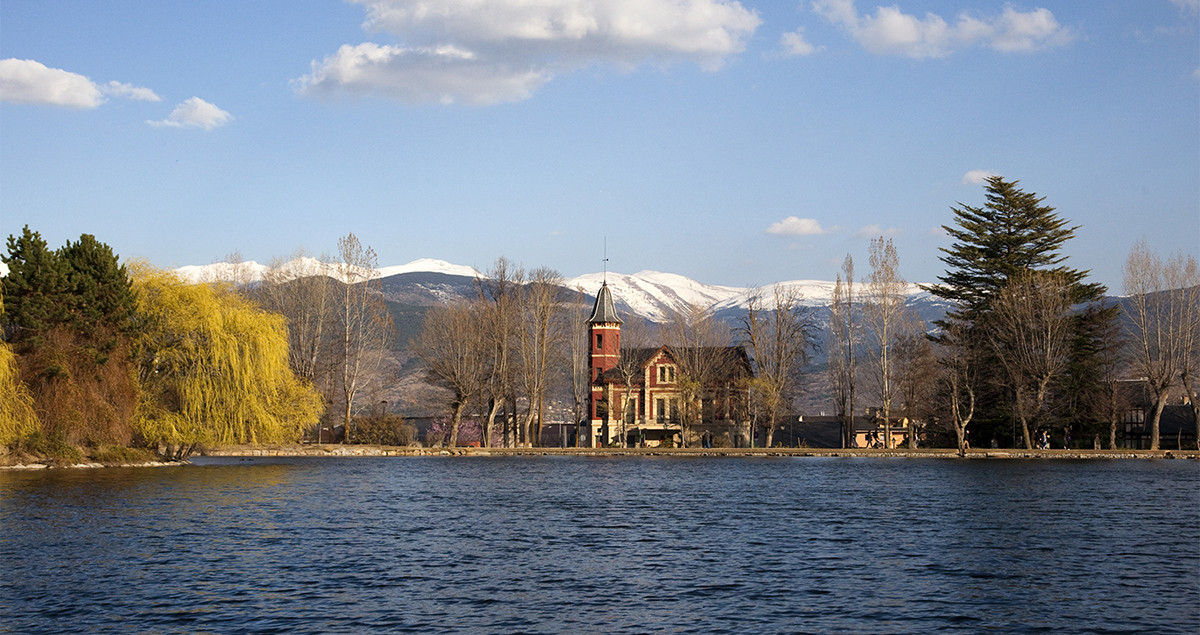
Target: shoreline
(86,466)
(331,450)
(365,451)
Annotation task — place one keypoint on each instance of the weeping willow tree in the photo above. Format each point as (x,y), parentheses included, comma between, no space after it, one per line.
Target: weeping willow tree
(17,417)
(214,369)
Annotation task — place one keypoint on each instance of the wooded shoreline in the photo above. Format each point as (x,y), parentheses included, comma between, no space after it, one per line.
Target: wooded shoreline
(351,451)
(330,450)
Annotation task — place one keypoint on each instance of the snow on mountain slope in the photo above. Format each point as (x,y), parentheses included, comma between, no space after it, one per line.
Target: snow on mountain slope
(653,295)
(247,271)
(429,265)
(251,271)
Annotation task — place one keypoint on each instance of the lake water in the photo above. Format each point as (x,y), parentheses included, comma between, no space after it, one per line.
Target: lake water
(603,545)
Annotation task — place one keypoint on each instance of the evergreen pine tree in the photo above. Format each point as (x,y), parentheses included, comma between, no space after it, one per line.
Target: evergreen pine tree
(1012,233)
(102,303)
(35,291)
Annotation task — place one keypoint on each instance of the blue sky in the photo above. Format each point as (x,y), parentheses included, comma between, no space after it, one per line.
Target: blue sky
(734,143)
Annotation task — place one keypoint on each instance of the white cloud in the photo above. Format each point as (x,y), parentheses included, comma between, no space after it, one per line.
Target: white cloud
(31,82)
(977,177)
(794,226)
(444,74)
(129,91)
(503,50)
(891,32)
(794,44)
(195,112)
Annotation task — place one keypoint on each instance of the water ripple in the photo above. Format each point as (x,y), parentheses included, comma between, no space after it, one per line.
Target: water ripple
(603,545)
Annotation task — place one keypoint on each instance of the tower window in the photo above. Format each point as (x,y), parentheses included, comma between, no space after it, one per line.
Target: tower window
(599,340)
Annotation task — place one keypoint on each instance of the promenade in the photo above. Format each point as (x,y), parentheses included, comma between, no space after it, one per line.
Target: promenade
(338,450)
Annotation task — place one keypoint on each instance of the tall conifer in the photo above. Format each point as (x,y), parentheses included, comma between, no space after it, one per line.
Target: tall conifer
(1014,232)
(35,290)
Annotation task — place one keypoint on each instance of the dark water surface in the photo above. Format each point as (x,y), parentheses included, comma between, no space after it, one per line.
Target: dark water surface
(603,545)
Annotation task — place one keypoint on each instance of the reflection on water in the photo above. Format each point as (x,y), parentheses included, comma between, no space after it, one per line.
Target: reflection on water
(600,545)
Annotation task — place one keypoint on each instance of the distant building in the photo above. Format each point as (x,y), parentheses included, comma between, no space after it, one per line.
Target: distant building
(1176,424)
(651,416)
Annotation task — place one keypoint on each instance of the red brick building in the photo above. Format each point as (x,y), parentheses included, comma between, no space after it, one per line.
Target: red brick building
(635,393)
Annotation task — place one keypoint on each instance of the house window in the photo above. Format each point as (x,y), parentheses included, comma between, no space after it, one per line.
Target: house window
(660,406)
(666,374)
(631,410)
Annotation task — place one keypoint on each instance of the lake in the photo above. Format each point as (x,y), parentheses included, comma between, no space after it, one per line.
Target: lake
(603,545)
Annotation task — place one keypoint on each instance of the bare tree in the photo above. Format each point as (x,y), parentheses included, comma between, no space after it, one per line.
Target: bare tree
(917,377)
(456,354)
(577,340)
(1183,278)
(1164,316)
(540,335)
(1107,400)
(237,272)
(634,336)
(364,325)
(960,374)
(1029,329)
(700,346)
(885,319)
(301,290)
(842,342)
(779,335)
(499,295)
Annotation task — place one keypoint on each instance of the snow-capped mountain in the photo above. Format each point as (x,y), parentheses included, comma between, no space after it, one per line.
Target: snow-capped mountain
(655,295)
(652,295)
(251,271)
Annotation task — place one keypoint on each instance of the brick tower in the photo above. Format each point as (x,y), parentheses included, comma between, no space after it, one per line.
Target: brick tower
(604,333)
(604,351)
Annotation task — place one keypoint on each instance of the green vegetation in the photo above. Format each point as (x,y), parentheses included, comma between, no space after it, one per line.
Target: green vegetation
(213,368)
(1011,295)
(97,364)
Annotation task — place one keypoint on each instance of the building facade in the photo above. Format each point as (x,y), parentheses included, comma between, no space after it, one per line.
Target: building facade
(636,400)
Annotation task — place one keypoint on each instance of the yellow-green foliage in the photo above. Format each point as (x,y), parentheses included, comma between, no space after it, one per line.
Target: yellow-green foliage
(17,417)
(214,367)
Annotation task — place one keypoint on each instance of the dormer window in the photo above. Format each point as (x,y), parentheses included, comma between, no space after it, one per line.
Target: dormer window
(666,374)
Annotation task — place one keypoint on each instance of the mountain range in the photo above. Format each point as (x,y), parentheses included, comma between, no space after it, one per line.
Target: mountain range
(651,295)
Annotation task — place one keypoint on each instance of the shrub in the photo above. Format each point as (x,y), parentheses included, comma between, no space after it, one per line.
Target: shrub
(383,430)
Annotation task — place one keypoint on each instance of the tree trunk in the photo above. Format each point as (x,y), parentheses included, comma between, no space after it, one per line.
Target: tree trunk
(1159,404)
(490,424)
(526,427)
(1186,376)
(455,420)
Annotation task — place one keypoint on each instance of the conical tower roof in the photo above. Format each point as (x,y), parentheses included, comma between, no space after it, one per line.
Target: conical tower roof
(605,312)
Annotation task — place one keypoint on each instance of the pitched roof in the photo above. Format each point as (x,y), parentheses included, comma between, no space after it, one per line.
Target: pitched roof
(736,362)
(604,312)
